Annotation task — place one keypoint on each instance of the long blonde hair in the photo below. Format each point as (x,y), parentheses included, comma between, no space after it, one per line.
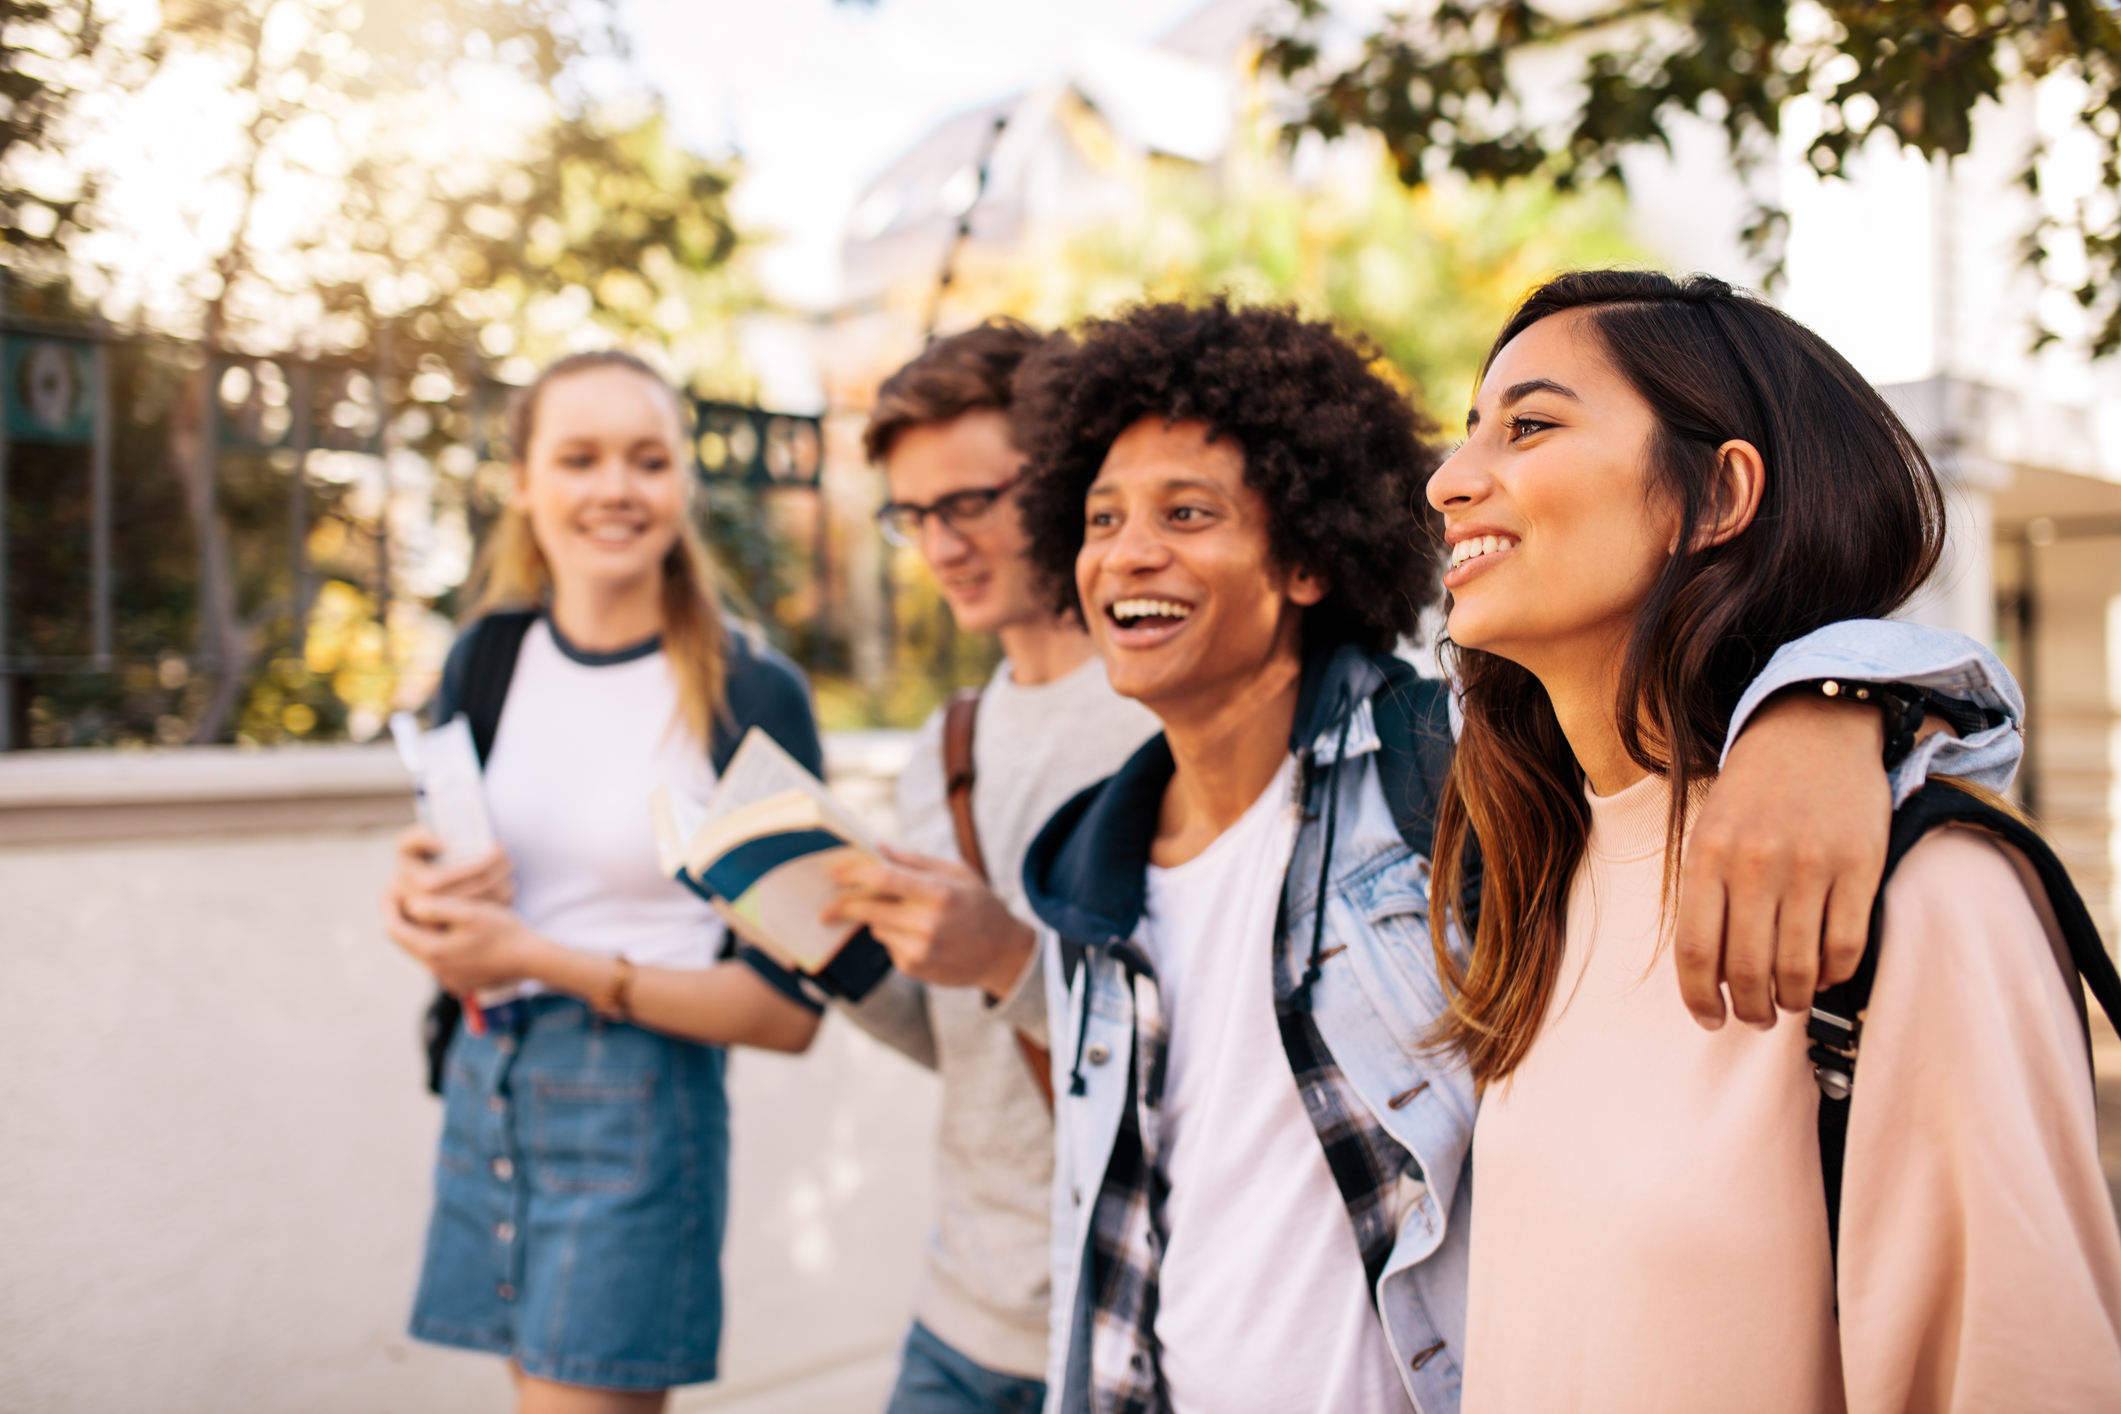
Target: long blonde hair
(512,572)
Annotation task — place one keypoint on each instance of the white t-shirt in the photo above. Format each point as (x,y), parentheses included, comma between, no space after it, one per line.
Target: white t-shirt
(583,740)
(987,1288)
(1262,1303)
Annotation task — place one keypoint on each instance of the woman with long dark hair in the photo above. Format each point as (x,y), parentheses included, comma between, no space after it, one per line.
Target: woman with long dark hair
(1664,482)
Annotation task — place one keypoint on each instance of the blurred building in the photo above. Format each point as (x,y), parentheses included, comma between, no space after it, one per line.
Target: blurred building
(1914,271)
(1064,155)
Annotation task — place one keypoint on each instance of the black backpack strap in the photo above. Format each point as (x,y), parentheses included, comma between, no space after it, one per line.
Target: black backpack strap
(1836,1025)
(489,667)
(1414,730)
(1413,716)
(764,690)
(475,682)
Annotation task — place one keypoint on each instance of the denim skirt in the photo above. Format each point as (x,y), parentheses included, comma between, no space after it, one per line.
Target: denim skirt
(580,1199)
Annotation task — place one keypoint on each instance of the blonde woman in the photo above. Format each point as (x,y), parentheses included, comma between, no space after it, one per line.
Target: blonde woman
(582,1183)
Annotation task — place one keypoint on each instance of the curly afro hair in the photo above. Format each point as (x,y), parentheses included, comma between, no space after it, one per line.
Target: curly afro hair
(1340,456)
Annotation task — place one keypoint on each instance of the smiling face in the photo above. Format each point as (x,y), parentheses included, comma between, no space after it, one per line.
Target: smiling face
(1176,573)
(602,482)
(1556,536)
(979,564)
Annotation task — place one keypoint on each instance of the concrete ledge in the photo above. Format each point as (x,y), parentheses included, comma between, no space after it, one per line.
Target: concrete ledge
(70,797)
(58,797)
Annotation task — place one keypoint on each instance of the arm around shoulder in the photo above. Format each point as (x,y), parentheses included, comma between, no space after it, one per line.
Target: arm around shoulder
(1918,656)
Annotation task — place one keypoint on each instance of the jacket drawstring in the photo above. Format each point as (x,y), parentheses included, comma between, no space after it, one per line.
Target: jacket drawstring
(1316,962)
(1082,1033)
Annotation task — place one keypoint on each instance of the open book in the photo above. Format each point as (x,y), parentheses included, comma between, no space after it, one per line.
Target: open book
(762,851)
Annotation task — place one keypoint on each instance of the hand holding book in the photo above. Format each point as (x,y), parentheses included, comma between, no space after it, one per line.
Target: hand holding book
(453,852)
(762,853)
(940,922)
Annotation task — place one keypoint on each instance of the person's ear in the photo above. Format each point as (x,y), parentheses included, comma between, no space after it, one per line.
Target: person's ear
(1741,479)
(1305,589)
(519,487)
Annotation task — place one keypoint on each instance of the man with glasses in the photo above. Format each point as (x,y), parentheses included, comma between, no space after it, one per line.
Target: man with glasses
(968,996)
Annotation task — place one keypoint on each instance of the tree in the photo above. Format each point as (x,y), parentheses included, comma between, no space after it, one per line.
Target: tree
(1426,275)
(434,233)
(1446,89)
(45,48)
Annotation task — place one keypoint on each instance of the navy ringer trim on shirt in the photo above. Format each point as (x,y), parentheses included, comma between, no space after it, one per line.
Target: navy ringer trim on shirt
(633,652)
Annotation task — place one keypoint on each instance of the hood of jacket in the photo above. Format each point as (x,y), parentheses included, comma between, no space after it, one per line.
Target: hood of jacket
(1086,875)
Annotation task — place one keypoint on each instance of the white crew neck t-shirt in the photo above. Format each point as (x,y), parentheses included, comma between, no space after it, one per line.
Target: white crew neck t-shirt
(583,740)
(1262,1304)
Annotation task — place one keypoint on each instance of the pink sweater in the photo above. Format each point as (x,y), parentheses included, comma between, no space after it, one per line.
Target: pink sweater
(1649,1231)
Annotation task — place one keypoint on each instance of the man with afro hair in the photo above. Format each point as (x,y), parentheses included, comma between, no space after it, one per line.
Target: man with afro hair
(1261,1193)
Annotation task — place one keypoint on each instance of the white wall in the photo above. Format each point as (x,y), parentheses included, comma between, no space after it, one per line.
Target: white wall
(215,1143)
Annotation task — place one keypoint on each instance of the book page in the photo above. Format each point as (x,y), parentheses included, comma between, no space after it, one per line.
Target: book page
(763,850)
(776,814)
(779,914)
(675,818)
(761,769)
(455,791)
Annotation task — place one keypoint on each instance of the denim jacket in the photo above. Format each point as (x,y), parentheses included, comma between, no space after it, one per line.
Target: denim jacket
(1373,994)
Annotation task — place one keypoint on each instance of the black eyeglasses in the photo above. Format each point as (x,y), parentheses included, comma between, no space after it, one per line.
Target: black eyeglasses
(960,510)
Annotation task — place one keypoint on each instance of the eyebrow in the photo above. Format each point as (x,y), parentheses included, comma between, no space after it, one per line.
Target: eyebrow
(1173,483)
(1518,392)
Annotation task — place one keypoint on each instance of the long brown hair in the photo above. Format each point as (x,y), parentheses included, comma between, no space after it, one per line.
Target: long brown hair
(1850,523)
(512,572)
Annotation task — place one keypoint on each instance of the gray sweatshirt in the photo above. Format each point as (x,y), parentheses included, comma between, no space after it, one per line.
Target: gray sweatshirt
(986,1287)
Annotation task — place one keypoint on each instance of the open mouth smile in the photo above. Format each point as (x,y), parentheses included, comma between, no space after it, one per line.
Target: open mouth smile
(1474,554)
(1141,622)
(1466,551)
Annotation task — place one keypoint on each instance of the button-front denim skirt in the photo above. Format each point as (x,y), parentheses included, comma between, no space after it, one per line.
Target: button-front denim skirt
(580,1199)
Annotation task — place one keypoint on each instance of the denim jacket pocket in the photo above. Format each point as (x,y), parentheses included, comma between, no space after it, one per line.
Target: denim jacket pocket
(1395,913)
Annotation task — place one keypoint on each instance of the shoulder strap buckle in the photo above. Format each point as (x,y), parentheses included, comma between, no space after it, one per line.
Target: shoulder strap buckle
(1833,1052)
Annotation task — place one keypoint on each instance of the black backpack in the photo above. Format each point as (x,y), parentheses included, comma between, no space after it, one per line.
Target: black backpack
(754,697)
(1413,716)
(1836,1027)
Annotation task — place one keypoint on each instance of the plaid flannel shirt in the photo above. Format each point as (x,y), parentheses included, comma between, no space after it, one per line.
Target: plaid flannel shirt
(1126,1227)
(1373,1171)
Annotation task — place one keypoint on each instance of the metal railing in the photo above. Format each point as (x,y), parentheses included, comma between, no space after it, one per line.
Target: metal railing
(57,389)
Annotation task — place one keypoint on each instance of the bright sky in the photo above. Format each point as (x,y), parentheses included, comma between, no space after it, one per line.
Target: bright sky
(819,96)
